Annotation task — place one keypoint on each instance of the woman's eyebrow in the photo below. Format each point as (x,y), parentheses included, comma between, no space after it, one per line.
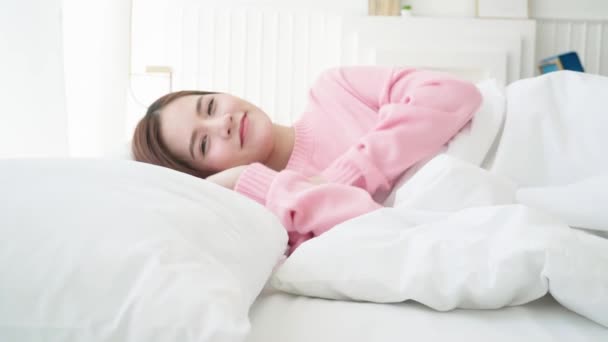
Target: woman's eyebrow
(192,140)
(199,105)
(199,108)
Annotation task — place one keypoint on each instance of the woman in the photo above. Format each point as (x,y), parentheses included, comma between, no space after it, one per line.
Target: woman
(362,128)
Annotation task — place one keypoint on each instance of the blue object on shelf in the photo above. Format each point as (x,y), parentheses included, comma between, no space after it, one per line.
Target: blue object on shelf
(565,61)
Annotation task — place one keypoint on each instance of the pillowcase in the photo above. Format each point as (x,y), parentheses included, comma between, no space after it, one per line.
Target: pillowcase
(473,143)
(107,250)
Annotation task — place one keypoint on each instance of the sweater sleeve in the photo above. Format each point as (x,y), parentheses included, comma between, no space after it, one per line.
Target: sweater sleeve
(419,112)
(306,210)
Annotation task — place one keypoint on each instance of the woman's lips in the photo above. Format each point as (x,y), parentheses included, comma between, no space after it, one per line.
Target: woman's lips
(243,128)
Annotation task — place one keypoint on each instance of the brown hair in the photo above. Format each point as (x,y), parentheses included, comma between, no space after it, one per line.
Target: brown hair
(148,145)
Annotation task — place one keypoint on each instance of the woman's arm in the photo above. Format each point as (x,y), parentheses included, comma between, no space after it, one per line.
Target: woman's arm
(419,112)
(305,209)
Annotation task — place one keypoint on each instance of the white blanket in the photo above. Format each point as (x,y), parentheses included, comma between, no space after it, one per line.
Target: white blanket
(457,236)
(556,130)
(554,144)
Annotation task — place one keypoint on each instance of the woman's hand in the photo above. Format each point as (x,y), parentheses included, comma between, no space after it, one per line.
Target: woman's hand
(228,177)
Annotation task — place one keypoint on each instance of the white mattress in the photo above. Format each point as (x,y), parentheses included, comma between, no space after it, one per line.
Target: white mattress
(279,317)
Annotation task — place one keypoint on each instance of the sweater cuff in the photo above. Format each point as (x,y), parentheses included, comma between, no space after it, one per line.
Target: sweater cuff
(255,181)
(341,172)
(353,170)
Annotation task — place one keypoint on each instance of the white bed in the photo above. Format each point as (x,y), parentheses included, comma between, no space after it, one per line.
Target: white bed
(282,317)
(477,50)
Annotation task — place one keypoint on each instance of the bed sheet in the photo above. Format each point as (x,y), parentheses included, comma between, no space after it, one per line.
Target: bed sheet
(279,317)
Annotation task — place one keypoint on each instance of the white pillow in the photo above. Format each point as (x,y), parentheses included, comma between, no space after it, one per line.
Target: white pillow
(473,143)
(102,250)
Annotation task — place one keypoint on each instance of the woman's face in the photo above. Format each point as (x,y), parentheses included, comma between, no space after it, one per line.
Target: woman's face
(215,132)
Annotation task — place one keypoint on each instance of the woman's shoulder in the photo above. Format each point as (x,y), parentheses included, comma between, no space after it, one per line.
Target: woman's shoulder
(350,85)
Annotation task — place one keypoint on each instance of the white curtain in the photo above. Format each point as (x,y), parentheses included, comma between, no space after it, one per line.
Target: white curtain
(33,120)
(96,37)
(65,76)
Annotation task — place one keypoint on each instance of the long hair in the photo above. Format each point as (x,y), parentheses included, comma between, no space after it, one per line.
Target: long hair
(148,145)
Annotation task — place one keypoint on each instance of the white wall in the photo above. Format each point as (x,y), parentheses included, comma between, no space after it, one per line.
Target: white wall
(443,8)
(554,9)
(33,119)
(336,6)
(569,9)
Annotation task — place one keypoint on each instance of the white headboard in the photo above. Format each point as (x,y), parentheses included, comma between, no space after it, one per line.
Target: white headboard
(472,48)
(270,57)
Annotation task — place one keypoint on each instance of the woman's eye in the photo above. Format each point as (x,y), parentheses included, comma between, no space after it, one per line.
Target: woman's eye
(204,145)
(210,107)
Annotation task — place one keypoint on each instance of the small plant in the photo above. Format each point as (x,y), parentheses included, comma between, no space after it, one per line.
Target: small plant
(406,7)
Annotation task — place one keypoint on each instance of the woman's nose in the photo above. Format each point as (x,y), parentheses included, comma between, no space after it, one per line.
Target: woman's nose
(223,125)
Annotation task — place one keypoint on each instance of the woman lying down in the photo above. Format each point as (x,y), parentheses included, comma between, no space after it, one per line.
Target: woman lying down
(456,237)
(361,129)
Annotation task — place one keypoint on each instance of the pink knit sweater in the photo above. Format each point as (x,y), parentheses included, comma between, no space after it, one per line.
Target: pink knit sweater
(363,127)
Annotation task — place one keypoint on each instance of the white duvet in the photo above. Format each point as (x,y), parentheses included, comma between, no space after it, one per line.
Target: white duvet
(460,236)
